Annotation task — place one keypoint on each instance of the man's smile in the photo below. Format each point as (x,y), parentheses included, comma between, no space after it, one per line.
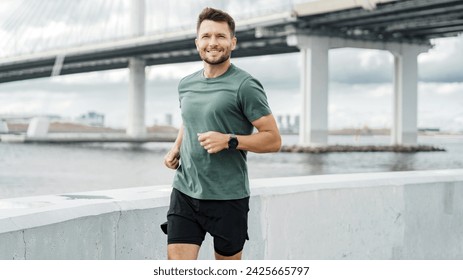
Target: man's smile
(213,51)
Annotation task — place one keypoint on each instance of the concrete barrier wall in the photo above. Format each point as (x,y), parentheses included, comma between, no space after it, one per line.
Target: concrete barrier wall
(393,215)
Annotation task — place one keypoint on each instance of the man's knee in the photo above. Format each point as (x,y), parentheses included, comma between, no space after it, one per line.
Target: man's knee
(182,251)
(236,256)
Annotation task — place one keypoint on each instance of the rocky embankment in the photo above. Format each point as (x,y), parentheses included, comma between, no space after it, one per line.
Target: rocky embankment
(359,148)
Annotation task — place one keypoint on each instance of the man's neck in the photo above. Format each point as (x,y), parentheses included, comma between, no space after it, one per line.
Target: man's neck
(214,71)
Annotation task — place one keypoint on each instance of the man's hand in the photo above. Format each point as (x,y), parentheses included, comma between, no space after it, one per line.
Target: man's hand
(172,159)
(213,142)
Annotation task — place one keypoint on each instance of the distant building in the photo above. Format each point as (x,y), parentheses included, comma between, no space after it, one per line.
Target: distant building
(296,123)
(169,119)
(91,118)
(280,121)
(288,124)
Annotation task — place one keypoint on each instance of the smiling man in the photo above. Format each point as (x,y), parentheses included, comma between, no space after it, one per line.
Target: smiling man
(221,105)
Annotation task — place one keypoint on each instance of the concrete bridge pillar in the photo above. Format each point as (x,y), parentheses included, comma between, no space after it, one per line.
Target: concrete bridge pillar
(38,127)
(314,88)
(404,129)
(136,126)
(136,119)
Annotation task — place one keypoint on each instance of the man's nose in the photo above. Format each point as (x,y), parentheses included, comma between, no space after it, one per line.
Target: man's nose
(213,41)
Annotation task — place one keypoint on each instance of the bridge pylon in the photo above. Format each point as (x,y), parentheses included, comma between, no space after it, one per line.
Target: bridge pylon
(136,119)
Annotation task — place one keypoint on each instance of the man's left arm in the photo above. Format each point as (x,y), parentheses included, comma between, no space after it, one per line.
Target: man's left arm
(266,140)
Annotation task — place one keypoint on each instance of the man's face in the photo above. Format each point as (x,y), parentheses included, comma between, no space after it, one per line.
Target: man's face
(214,42)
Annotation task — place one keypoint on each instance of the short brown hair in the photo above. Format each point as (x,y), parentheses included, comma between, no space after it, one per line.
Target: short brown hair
(216,15)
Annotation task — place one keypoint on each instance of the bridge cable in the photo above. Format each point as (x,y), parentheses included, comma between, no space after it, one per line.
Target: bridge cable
(104,20)
(121,23)
(66,19)
(18,26)
(37,20)
(18,29)
(83,16)
(48,40)
(100,12)
(12,19)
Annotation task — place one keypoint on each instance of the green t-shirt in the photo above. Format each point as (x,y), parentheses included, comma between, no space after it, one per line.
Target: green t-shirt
(226,104)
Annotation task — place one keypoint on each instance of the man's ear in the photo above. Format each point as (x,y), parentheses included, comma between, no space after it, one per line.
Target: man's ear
(234,41)
(196,44)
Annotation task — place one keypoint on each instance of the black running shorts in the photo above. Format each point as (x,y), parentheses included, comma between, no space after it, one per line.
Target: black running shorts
(188,220)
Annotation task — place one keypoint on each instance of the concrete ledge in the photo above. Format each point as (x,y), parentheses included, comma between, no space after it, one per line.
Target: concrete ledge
(391,215)
(29,212)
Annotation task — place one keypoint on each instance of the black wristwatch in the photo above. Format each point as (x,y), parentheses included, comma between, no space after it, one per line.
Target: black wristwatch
(232,142)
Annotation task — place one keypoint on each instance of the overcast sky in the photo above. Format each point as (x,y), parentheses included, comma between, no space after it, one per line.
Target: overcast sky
(360,92)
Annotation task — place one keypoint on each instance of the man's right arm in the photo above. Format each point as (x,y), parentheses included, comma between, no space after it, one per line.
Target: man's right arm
(172,158)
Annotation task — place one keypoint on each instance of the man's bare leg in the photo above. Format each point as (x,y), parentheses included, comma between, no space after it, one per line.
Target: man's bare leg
(182,251)
(236,256)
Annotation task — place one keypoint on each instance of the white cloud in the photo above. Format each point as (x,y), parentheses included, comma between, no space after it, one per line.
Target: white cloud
(449,89)
(373,59)
(439,107)
(354,66)
(443,49)
(19,107)
(360,105)
(7,6)
(276,71)
(444,62)
(172,71)
(4,51)
(40,102)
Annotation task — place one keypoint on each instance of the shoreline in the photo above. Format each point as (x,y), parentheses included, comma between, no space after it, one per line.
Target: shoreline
(70,138)
(68,133)
(360,148)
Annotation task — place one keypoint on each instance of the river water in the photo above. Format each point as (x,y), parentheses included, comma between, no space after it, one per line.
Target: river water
(37,169)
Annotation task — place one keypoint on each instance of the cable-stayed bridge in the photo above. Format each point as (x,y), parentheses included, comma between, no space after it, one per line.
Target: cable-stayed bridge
(82,35)
(43,39)
(65,37)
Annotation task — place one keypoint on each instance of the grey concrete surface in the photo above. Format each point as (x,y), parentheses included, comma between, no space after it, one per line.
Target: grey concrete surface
(390,215)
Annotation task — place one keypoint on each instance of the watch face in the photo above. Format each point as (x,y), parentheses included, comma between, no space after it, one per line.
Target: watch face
(233,143)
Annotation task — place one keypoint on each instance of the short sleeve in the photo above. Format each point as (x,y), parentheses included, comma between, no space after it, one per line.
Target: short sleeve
(253,100)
